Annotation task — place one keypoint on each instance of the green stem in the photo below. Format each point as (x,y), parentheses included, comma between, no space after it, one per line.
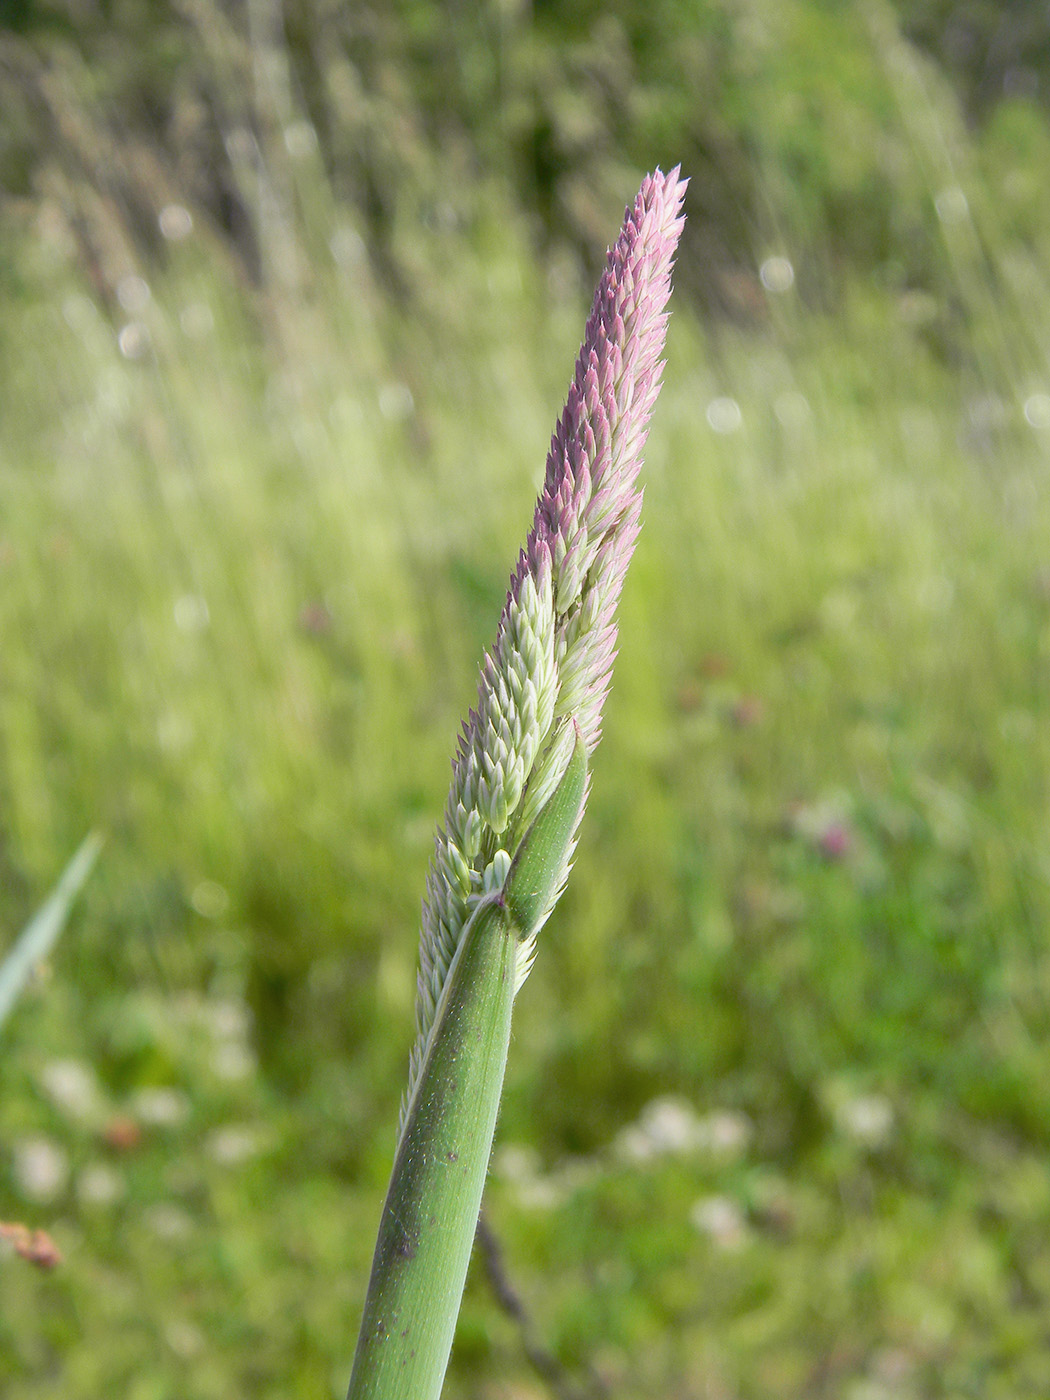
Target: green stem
(432,1205)
(431,1211)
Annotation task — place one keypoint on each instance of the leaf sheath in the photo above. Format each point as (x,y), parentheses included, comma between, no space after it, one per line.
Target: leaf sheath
(431,1210)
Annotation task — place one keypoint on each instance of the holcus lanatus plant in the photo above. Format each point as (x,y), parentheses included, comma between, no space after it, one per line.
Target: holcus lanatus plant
(520,780)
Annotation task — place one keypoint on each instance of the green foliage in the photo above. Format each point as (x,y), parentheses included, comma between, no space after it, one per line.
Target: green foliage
(993,49)
(786,116)
(242,604)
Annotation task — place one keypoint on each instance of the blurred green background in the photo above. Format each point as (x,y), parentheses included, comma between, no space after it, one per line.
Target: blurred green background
(290,292)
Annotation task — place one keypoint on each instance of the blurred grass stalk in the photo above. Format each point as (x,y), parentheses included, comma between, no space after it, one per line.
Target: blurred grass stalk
(518,792)
(40,934)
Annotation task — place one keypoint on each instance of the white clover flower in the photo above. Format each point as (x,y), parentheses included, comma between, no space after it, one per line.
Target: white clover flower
(72,1086)
(161,1107)
(721,1219)
(41,1169)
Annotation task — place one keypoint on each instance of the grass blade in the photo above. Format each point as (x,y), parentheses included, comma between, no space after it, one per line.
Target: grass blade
(39,935)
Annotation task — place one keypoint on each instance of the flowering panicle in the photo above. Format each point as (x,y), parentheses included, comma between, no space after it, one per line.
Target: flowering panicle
(543,685)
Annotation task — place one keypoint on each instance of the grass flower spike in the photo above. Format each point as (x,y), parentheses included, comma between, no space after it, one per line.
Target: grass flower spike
(549,670)
(519,784)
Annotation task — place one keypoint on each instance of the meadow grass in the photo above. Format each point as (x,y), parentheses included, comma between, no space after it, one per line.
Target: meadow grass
(242,606)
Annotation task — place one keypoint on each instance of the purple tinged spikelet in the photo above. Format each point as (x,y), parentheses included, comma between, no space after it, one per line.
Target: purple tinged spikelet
(546,679)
